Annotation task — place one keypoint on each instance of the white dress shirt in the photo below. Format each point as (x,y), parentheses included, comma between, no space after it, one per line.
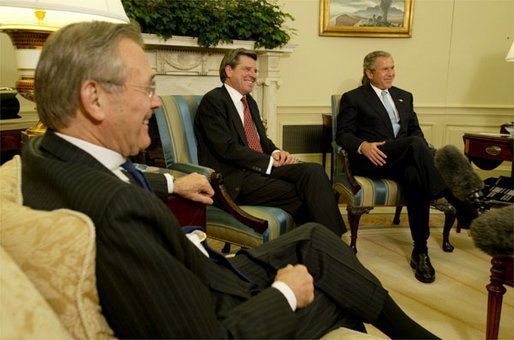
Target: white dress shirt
(236,96)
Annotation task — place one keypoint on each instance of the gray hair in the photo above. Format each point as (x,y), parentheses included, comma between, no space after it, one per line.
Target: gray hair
(231,58)
(76,53)
(370,63)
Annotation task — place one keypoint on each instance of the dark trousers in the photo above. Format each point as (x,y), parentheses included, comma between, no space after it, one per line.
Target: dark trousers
(409,162)
(303,190)
(346,293)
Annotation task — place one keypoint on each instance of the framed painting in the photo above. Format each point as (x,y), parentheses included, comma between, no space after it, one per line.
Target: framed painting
(366,18)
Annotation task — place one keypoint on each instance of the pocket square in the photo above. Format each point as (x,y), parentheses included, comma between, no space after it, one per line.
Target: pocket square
(400,100)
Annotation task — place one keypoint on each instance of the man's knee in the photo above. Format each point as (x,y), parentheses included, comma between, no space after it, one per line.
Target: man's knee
(313,169)
(418,143)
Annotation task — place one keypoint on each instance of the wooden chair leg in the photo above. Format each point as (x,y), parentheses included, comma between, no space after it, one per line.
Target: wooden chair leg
(397,214)
(354,216)
(449,219)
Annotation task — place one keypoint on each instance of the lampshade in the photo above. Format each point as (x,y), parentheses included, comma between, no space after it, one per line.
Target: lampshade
(20,13)
(510,55)
(29,23)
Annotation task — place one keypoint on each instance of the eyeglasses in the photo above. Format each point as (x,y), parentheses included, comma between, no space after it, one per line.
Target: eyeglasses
(150,91)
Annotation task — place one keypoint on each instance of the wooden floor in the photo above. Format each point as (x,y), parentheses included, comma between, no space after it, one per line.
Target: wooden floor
(455,305)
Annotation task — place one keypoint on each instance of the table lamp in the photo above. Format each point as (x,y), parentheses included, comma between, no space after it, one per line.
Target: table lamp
(28,23)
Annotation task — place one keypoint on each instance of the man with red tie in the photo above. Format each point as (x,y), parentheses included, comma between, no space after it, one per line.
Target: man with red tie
(232,140)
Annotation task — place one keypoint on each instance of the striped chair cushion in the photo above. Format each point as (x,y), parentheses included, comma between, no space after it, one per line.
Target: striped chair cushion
(374,192)
(175,123)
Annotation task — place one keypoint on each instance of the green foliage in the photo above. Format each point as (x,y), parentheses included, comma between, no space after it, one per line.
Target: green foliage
(213,21)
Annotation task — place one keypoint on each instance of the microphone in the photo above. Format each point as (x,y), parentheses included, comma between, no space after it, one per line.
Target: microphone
(492,231)
(462,180)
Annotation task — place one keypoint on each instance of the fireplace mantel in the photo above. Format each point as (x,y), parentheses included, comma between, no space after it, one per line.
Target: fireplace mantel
(183,67)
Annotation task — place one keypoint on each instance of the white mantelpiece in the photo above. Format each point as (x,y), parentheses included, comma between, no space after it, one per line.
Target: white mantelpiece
(183,67)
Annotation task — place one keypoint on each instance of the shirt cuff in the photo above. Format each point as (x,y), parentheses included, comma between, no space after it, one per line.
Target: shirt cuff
(359,149)
(287,292)
(270,165)
(169,181)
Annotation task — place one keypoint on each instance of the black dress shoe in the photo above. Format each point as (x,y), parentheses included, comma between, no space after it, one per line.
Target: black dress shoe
(424,270)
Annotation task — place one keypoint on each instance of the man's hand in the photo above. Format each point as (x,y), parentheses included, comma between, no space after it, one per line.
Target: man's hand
(373,153)
(297,277)
(195,187)
(282,157)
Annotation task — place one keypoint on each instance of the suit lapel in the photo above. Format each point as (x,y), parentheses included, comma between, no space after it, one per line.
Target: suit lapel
(234,116)
(379,108)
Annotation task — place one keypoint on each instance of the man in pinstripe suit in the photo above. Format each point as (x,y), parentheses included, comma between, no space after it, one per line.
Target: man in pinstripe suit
(96,97)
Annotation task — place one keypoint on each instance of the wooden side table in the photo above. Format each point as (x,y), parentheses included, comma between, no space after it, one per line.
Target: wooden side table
(10,144)
(10,134)
(488,151)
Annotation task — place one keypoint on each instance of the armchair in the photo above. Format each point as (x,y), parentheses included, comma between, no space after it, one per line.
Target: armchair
(174,142)
(362,194)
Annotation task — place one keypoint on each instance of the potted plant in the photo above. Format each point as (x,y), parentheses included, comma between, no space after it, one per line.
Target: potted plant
(213,21)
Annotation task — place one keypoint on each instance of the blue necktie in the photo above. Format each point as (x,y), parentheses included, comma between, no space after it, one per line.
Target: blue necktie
(390,111)
(136,175)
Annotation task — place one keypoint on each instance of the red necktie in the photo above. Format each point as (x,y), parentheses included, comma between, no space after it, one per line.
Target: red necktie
(250,130)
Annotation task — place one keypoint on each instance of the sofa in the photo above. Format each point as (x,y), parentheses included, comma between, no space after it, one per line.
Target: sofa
(47,276)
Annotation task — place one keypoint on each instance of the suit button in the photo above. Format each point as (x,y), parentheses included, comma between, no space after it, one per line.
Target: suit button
(244,170)
(237,189)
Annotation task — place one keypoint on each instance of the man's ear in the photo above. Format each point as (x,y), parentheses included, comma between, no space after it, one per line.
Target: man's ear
(228,71)
(369,74)
(90,95)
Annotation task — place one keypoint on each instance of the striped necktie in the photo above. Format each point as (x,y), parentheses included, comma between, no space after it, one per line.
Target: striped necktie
(137,175)
(250,130)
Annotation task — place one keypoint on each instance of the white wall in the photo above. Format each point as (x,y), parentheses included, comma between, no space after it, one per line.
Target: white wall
(454,57)
(454,64)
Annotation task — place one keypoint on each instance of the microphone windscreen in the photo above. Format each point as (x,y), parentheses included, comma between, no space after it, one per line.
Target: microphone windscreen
(457,172)
(493,231)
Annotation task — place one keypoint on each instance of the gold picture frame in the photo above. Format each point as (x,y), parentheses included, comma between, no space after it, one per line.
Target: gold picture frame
(349,18)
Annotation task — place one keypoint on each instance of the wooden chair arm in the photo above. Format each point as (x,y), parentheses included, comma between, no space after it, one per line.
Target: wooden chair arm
(345,163)
(222,197)
(189,212)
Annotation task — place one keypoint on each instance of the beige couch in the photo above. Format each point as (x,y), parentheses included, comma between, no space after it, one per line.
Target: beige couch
(47,275)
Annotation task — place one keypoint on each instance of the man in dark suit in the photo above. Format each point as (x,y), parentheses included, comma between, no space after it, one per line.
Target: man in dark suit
(379,128)
(232,140)
(96,98)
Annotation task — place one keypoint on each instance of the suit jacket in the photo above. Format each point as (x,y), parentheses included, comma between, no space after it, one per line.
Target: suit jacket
(363,117)
(152,282)
(222,143)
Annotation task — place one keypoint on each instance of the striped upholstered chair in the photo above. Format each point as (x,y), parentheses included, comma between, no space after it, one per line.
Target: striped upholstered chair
(362,194)
(246,226)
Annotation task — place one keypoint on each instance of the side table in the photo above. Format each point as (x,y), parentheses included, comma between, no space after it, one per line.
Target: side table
(488,151)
